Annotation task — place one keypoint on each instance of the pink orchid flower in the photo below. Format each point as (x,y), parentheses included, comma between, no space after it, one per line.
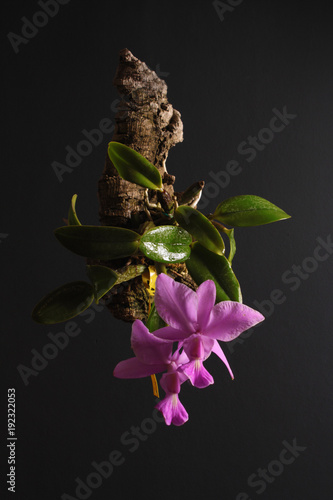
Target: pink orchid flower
(154,355)
(197,323)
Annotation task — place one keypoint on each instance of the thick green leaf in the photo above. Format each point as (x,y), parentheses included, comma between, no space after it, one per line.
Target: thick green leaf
(248,210)
(232,242)
(230,234)
(154,321)
(134,167)
(98,242)
(72,217)
(205,265)
(102,278)
(64,303)
(200,228)
(166,244)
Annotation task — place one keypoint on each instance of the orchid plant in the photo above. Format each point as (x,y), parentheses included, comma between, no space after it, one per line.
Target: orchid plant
(184,326)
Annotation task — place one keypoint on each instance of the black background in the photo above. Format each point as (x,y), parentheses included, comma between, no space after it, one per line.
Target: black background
(225,77)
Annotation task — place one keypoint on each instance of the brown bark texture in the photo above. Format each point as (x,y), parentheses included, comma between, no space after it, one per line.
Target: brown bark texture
(146,122)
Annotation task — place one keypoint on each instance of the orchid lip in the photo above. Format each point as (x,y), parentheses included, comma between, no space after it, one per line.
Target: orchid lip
(174,400)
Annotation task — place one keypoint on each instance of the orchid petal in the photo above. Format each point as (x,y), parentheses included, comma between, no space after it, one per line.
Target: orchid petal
(176,304)
(182,376)
(206,294)
(133,368)
(171,334)
(198,374)
(148,348)
(179,358)
(229,319)
(218,351)
(172,409)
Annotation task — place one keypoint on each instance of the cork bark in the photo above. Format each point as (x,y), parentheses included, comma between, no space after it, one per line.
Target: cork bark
(148,123)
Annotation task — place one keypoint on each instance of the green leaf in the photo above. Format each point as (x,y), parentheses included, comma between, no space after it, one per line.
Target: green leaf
(205,265)
(166,244)
(134,167)
(154,321)
(72,217)
(230,234)
(232,242)
(98,242)
(248,210)
(200,228)
(102,278)
(64,303)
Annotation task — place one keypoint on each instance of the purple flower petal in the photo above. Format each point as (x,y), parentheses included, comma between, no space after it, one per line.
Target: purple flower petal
(218,351)
(171,334)
(198,346)
(133,368)
(148,348)
(182,376)
(179,358)
(170,382)
(173,410)
(176,304)
(206,294)
(198,374)
(229,319)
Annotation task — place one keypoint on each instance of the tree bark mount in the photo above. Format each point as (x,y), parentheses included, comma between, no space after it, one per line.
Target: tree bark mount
(146,122)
